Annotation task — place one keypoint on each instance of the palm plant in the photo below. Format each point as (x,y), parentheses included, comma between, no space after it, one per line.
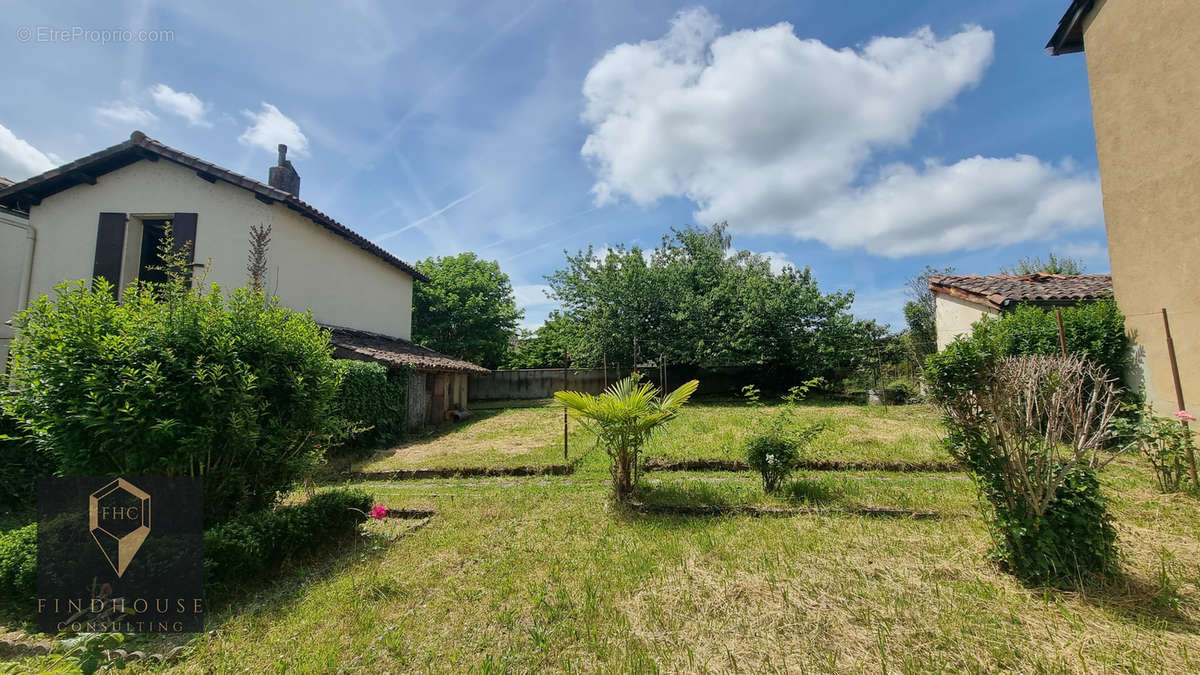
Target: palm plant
(622,418)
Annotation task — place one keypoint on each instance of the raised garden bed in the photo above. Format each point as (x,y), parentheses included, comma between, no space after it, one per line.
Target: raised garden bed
(808,465)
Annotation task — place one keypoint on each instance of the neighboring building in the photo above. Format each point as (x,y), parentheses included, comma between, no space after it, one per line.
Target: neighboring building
(962,299)
(1143,61)
(103,216)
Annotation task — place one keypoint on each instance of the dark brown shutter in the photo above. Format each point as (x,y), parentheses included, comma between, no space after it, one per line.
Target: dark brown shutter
(110,249)
(184,228)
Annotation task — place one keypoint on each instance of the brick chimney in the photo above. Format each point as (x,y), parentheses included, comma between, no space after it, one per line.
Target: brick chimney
(283,175)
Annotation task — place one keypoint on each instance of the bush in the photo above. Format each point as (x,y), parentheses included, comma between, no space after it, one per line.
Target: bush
(18,564)
(239,390)
(22,462)
(1164,442)
(776,451)
(248,545)
(1093,330)
(373,400)
(1031,430)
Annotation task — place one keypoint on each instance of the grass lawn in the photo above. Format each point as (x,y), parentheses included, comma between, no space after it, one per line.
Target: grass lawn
(545,573)
(531,435)
(541,573)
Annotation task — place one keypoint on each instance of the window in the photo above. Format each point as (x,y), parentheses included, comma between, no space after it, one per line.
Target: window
(152,235)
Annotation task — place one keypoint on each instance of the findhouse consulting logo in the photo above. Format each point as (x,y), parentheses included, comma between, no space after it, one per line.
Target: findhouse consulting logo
(120,555)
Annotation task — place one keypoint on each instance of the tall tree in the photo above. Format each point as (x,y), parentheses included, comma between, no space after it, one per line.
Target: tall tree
(1051,265)
(544,347)
(920,313)
(467,309)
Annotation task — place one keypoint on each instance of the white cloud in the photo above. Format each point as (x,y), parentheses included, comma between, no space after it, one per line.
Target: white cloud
(1088,251)
(124,113)
(772,133)
(181,103)
(532,295)
(269,128)
(19,159)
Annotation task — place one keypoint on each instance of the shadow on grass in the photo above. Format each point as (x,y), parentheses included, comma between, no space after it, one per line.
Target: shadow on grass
(1138,600)
(818,491)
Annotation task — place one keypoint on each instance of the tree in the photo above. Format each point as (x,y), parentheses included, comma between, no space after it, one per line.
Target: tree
(696,301)
(467,309)
(544,347)
(622,418)
(920,313)
(1052,265)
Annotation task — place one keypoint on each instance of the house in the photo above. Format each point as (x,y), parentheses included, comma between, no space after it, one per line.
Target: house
(962,299)
(104,215)
(1143,65)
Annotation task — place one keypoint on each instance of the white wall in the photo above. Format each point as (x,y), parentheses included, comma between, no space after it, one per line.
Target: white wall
(310,267)
(954,317)
(14,251)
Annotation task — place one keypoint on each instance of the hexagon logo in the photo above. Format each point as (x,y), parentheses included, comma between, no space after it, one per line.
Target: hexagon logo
(119,520)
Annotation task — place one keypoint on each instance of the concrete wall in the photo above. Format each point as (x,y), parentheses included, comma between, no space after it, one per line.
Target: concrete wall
(955,316)
(530,383)
(310,267)
(1142,59)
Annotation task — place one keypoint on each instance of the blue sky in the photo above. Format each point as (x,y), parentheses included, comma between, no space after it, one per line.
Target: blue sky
(862,139)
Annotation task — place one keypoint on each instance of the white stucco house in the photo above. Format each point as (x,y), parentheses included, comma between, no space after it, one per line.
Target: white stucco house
(962,299)
(102,216)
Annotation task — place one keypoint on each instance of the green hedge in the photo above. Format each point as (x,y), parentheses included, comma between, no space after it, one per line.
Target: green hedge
(21,463)
(1095,330)
(18,564)
(374,399)
(248,545)
(234,387)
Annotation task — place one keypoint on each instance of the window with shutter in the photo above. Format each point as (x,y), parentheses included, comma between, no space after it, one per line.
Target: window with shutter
(110,248)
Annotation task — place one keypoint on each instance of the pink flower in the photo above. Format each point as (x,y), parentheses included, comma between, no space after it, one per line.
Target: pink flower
(1184,416)
(379,512)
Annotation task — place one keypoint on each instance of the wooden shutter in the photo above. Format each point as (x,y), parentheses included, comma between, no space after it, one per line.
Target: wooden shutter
(110,249)
(184,227)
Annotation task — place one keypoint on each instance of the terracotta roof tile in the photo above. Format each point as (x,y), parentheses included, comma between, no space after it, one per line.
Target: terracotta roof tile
(139,146)
(1004,290)
(350,343)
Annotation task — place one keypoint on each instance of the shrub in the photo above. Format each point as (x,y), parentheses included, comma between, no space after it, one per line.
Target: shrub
(18,564)
(775,452)
(1032,430)
(373,400)
(250,544)
(1094,330)
(239,390)
(22,462)
(1164,442)
(622,418)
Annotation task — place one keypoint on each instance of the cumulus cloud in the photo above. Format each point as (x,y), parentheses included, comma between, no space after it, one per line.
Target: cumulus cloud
(124,113)
(269,127)
(773,133)
(19,159)
(181,103)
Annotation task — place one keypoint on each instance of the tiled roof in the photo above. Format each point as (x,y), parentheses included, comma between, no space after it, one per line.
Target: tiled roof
(139,146)
(350,343)
(5,182)
(1003,290)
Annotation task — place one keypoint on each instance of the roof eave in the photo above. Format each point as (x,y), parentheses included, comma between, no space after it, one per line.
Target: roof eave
(1068,37)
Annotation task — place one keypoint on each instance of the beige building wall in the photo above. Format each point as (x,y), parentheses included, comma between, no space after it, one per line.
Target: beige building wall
(954,317)
(1143,60)
(310,267)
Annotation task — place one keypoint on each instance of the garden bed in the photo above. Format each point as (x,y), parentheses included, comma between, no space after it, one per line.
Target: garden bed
(713,464)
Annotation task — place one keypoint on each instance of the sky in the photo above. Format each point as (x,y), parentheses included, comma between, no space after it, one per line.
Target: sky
(862,139)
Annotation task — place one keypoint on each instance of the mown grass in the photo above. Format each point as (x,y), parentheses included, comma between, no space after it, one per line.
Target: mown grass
(531,435)
(546,574)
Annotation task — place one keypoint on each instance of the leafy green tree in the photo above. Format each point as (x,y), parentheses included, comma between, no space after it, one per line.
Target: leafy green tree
(920,313)
(467,309)
(544,347)
(696,301)
(1051,265)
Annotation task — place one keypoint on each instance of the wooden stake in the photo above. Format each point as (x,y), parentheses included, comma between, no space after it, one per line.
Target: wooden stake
(1062,338)
(1191,454)
(566,366)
